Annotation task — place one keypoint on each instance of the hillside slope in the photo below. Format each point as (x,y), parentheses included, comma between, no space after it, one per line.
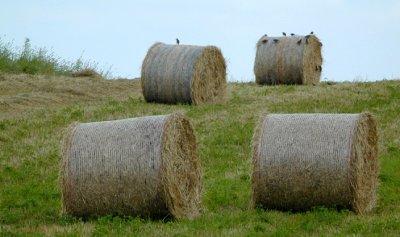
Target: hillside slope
(26,93)
(34,112)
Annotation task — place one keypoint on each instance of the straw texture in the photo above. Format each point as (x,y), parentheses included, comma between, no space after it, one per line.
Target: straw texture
(183,74)
(146,166)
(305,160)
(288,60)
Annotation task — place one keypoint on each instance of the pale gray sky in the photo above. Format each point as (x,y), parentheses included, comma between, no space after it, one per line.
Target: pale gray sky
(361,38)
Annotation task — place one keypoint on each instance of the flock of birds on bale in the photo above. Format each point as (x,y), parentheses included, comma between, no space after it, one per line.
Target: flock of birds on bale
(276,40)
(292,34)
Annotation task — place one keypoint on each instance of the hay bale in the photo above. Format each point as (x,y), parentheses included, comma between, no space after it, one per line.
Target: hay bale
(146,166)
(307,160)
(288,60)
(183,74)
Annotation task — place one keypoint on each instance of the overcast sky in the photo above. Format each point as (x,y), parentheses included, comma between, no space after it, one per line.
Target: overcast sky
(361,38)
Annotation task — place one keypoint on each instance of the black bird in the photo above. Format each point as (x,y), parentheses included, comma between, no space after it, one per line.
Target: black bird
(320,44)
(307,36)
(320,68)
(265,35)
(276,40)
(312,32)
(292,34)
(264,41)
(283,33)
(177,41)
(299,42)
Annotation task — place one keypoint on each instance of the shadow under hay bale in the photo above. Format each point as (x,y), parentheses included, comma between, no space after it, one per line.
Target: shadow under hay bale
(302,161)
(288,60)
(183,74)
(146,166)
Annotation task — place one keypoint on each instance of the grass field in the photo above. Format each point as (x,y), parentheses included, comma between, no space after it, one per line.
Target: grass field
(35,111)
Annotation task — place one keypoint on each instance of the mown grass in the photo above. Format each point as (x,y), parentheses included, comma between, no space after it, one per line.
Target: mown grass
(40,61)
(30,141)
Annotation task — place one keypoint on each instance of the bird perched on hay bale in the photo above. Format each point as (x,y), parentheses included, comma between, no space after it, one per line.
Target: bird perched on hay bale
(177,41)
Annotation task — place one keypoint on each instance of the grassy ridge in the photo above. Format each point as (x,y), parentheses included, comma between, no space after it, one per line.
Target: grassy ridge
(40,61)
(30,146)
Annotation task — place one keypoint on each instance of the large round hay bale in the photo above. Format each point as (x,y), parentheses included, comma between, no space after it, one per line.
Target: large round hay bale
(146,166)
(302,161)
(288,60)
(183,74)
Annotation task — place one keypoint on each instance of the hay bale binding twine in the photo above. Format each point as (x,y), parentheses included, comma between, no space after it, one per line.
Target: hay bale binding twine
(183,74)
(302,161)
(288,60)
(146,166)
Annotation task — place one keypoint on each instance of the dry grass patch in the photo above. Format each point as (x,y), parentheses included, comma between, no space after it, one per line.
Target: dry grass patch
(21,94)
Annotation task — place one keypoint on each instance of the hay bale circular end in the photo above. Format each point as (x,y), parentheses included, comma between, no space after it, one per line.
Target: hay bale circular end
(145,166)
(288,60)
(181,171)
(364,164)
(183,74)
(302,161)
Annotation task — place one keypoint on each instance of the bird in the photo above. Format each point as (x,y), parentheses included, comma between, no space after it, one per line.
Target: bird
(283,33)
(264,41)
(177,41)
(276,40)
(307,36)
(312,32)
(320,44)
(299,42)
(292,34)
(320,68)
(265,35)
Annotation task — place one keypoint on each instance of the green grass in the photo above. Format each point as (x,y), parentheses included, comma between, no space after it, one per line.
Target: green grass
(40,61)
(30,140)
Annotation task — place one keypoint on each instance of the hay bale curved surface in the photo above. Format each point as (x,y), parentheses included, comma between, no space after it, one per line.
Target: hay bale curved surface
(288,60)
(146,166)
(302,161)
(183,74)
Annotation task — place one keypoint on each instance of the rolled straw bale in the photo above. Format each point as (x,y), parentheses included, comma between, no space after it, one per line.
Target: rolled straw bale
(307,160)
(288,60)
(183,74)
(146,166)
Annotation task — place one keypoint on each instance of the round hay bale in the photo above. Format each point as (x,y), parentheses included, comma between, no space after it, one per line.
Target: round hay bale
(302,161)
(183,74)
(146,166)
(288,60)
